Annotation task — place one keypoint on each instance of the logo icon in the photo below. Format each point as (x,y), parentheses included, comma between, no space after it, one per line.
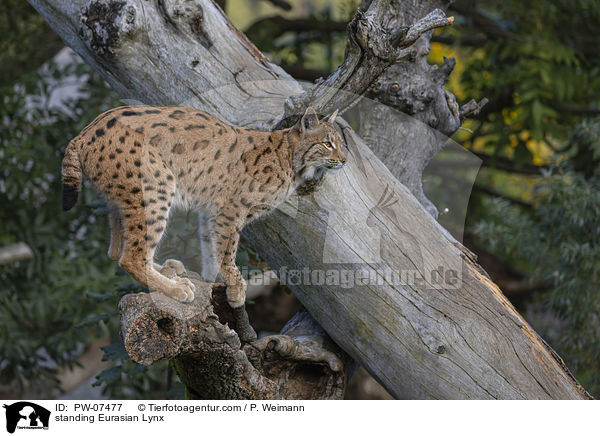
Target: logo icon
(26,415)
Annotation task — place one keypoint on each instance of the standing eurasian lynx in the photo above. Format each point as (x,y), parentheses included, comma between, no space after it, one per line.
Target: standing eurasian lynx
(146,160)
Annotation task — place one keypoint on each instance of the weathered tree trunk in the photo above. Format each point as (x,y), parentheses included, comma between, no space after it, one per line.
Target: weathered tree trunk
(448,332)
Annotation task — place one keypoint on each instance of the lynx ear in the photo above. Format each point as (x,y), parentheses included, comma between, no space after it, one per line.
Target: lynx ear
(331,118)
(309,120)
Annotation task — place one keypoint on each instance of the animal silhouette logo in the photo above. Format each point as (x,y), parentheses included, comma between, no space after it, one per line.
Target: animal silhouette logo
(26,415)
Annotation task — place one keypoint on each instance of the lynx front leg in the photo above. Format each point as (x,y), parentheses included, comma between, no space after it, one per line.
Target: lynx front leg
(227,235)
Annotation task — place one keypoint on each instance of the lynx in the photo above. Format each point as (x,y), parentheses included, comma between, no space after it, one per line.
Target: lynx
(147,160)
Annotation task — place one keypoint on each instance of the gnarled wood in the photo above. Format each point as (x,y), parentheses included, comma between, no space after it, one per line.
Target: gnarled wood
(370,50)
(426,338)
(301,363)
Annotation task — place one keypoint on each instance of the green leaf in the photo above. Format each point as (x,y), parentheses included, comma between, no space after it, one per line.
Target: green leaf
(537,110)
(101,297)
(108,376)
(93,320)
(115,351)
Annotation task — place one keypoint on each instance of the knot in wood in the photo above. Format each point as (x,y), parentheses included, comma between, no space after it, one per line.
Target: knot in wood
(189,16)
(370,36)
(103,24)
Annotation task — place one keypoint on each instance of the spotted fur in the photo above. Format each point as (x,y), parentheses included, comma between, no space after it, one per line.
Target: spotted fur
(146,160)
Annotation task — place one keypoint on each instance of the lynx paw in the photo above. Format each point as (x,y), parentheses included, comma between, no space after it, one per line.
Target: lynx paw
(312,185)
(171,268)
(236,294)
(183,290)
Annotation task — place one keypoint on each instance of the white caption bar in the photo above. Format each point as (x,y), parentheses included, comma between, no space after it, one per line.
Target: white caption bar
(284,418)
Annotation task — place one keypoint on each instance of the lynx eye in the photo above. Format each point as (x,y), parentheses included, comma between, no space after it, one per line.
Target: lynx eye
(329,145)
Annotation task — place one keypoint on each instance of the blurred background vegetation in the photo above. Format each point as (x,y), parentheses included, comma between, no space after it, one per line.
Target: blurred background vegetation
(533,218)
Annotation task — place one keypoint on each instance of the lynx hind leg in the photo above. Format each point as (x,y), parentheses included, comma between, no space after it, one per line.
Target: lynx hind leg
(116,231)
(138,257)
(145,220)
(207,248)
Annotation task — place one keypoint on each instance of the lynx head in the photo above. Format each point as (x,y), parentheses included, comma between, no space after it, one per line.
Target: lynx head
(319,145)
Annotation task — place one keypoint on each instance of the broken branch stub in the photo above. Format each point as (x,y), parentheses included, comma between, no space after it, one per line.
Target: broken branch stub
(370,50)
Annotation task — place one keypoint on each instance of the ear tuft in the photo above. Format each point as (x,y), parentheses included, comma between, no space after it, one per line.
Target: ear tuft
(309,120)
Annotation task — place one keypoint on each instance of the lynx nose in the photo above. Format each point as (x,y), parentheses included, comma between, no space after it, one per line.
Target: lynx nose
(343,160)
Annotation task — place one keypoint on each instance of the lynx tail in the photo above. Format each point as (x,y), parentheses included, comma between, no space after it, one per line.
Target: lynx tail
(71,175)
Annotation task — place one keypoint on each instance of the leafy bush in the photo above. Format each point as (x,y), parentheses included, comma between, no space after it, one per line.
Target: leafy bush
(559,243)
(44,299)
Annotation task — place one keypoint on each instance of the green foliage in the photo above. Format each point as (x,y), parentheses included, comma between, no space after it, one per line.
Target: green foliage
(559,243)
(313,44)
(26,41)
(44,300)
(538,66)
(584,151)
(127,380)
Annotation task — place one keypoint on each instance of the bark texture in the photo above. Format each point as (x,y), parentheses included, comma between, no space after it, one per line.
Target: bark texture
(428,338)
